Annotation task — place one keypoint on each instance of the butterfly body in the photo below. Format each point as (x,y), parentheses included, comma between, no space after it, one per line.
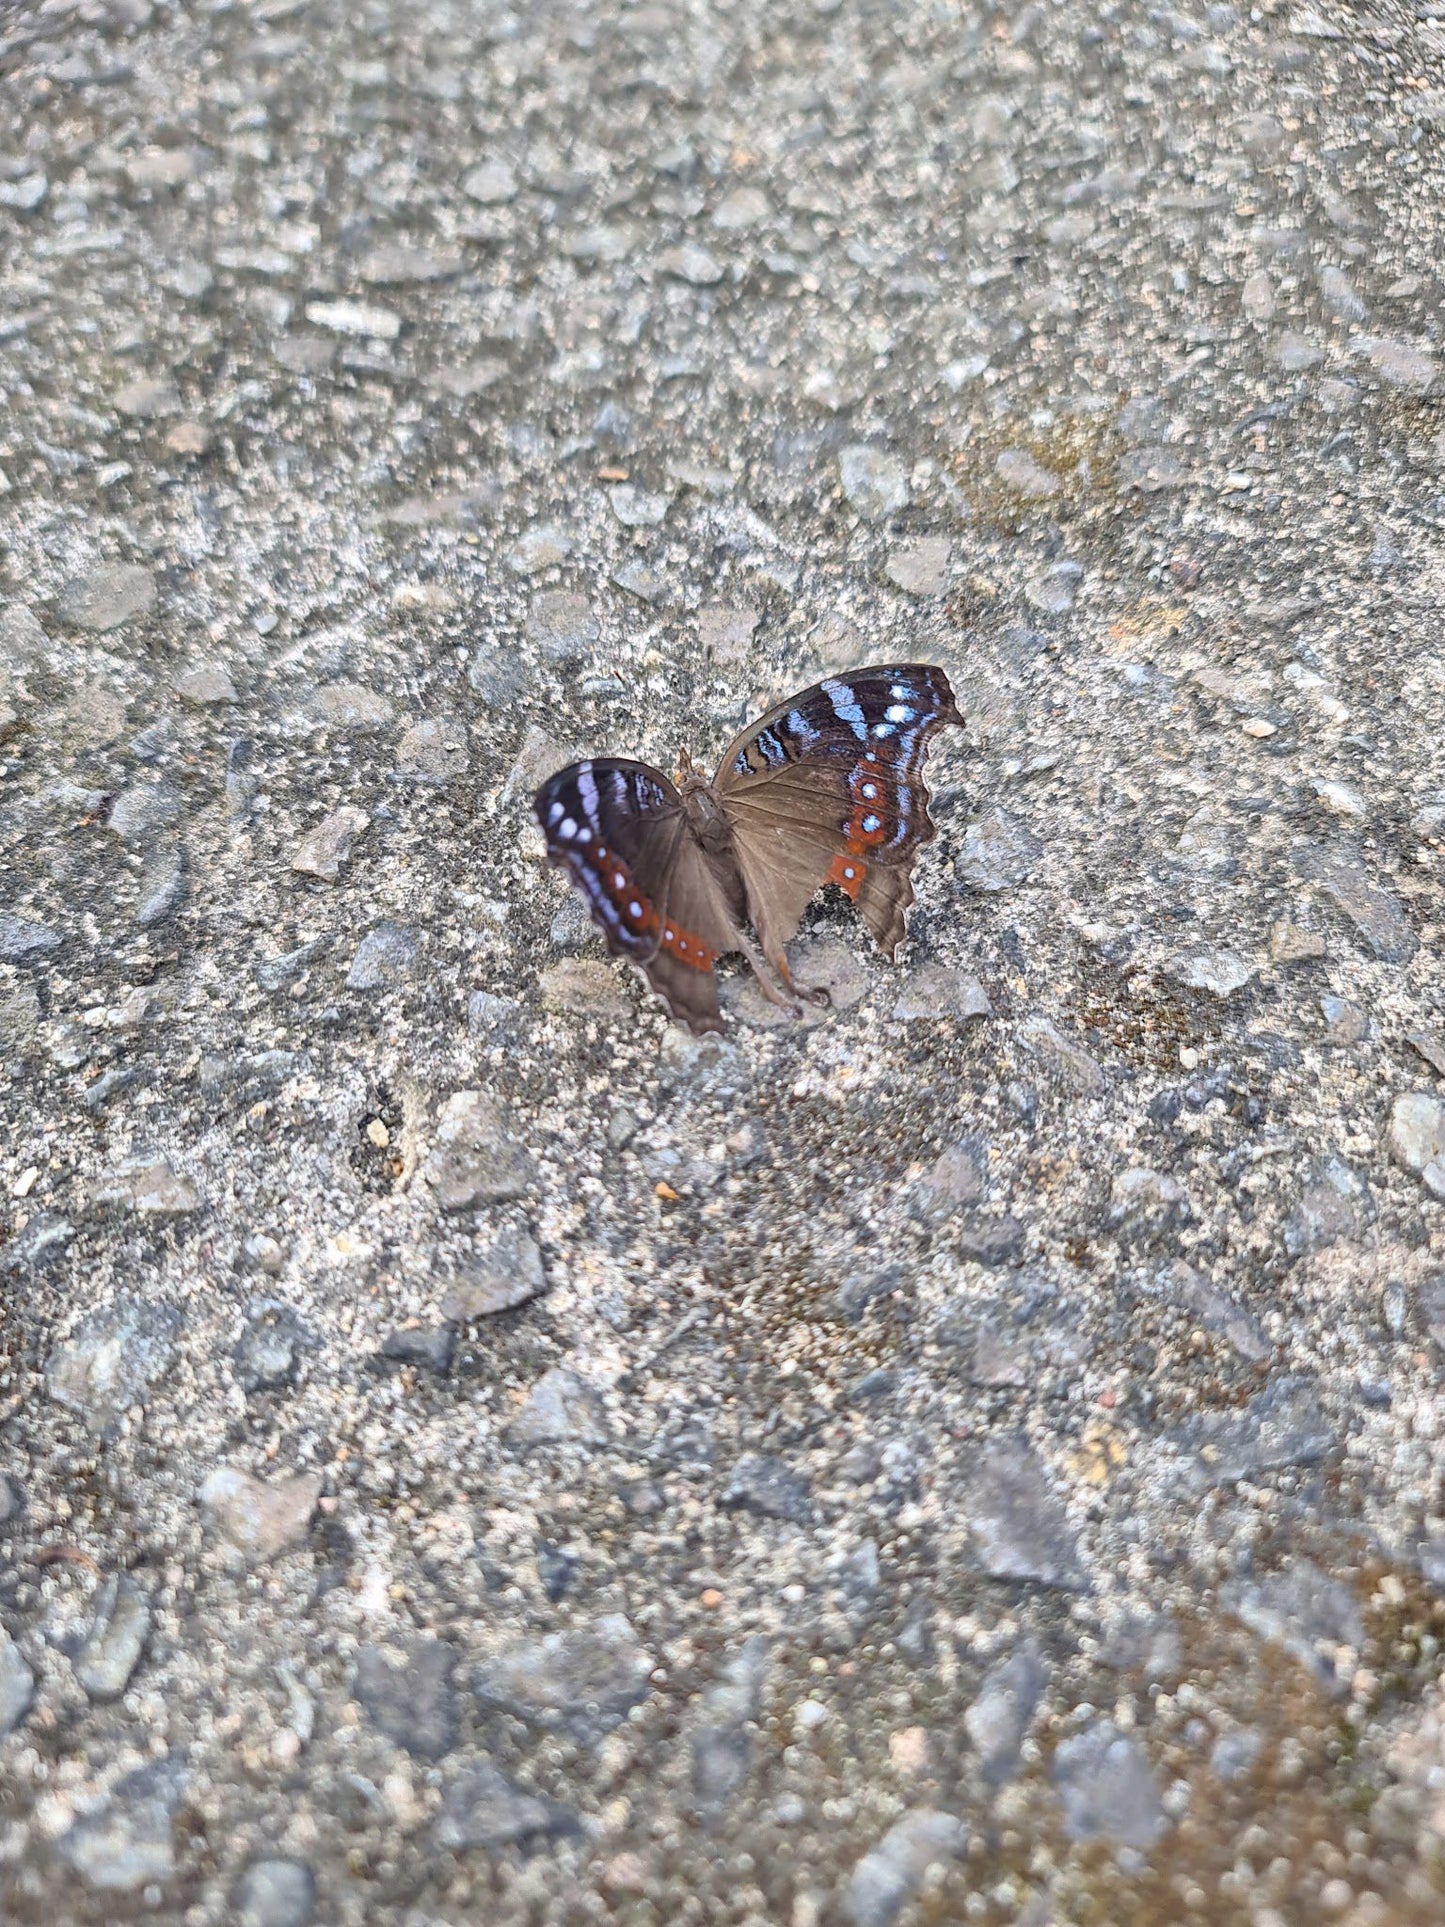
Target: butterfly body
(826,788)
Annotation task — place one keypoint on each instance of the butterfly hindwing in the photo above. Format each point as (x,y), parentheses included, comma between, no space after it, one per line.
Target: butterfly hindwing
(828,788)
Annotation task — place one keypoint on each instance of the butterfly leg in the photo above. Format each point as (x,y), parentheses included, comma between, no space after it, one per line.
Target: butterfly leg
(775,980)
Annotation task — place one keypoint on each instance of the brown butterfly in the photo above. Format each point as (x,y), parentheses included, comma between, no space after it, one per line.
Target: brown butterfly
(826,788)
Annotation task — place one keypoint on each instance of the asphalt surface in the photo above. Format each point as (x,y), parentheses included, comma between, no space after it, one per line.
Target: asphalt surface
(469,1451)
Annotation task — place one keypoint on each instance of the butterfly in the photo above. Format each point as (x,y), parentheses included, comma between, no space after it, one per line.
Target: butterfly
(825,788)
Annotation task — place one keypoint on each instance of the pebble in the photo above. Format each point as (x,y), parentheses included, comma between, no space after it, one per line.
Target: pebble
(1373,910)
(204,684)
(874,481)
(1297,353)
(385,959)
(274,1893)
(17,1685)
(471,378)
(483,1807)
(1314,1618)
(129,1844)
(1053,592)
(641,580)
(997,853)
(562,625)
(920,568)
(120,1627)
(1417,1138)
(1399,363)
(1146,1204)
(506,1273)
(763,1483)
(1062,1058)
(1153,469)
(349,705)
(726,631)
(43,1238)
(112,1358)
(1282,1425)
(25,194)
(260,1519)
(475,1158)
(584,1680)
(397,266)
(267,1354)
(23,940)
(164,887)
(496,676)
(427,1346)
(998,1720)
(107,598)
(745,207)
(1235,1752)
(1431,1046)
(1216,1310)
(148,400)
(275,973)
(562,1408)
(148,1184)
(492,184)
(1292,943)
(1339,295)
(692,264)
(637,508)
(141,812)
(1017,469)
(1219,973)
(890,1874)
(406,1689)
(1257,297)
(957,1180)
(941,993)
(1347,1022)
(1107,1789)
(542,547)
(1018,1527)
(354,318)
(324,849)
(434,751)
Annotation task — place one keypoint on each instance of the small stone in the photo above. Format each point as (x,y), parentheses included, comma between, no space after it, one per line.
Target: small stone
(113,1646)
(434,751)
(1106,1788)
(1417,1138)
(406,1690)
(38,1244)
(147,1184)
(584,1680)
(396,266)
(892,1872)
(141,812)
(638,579)
(267,1354)
(23,940)
(1292,943)
(561,1409)
(1018,470)
(161,167)
(1314,1618)
(1220,973)
(1261,135)
(349,705)
(1347,1022)
(112,1358)
(1152,470)
(507,1273)
(726,632)
(636,508)
(469,379)
(1282,1425)
(1297,353)
(957,1180)
(274,1893)
(998,1721)
(941,993)
(763,1483)
(1400,364)
(275,973)
(145,401)
(107,597)
(1257,297)
(1053,592)
(920,568)
(562,625)
(1147,1204)
(354,318)
(1235,1752)
(543,547)
(496,677)
(129,1844)
(385,959)
(1017,1526)
(427,1346)
(874,481)
(260,1519)
(745,207)
(1216,1310)
(1371,908)
(1431,1046)
(17,1685)
(205,683)
(475,1159)
(26,194)
(692,264)
(997,853)
(1344,799)
(324,849)
(164,888)
(1339,296)
(492,184)
(1062,1057)
(485,1808)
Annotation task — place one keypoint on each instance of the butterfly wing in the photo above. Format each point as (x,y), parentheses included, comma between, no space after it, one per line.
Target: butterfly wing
(620,831)
(828,788)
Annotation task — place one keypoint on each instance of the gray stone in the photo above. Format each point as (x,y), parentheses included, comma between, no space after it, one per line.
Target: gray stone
(496,677)
(484,1807)
(429,1347)
(540,548)
(491,184)
(149,1185)
(107,598)
(1147,1204)
(1400,364)
(324,849)
(1017,1526)
(998,1720)
(997,853)
(1417,1137)
(393,266)
(274,1893)
(1219,973)
(148,399)
(1335,1204)
(583,1680)
(1431,1046)
(1106,1788)
(140,813)
(119,1630)
(505,1274)
(562,1408)
(17,1685)
(385,959)
(1297,353)
(112,1358)
(941,993)
(763,1483)
(1017,469)
(874,481)
(205,684)
(434,751)
(1281,1426)
(407,1692)
(726,632)
(957,1179)
(562,625)
(43,1238)
(1235,1752)
(267,1354)
(476,1160)
(1052,593)
(1062,1058)
(920,567)
(1216,1310)
(349,707)
(891,1873)
(1346,1022)
(355,318)
(1315,1619)
(637,508)
(23,940)
(164,888)
(692,264)
(129,1844)
(1371,908)
(259,1519)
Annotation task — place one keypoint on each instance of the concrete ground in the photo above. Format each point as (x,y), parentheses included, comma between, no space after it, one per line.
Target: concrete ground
(472,1452)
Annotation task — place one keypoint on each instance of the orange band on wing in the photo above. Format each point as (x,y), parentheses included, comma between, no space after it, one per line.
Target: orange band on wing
(848,872)
(687,948)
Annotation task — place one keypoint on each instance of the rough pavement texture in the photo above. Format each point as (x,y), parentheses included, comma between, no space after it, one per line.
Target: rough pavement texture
(470,1452)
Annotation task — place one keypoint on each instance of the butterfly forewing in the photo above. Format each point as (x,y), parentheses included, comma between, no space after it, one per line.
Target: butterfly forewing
(828,787)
